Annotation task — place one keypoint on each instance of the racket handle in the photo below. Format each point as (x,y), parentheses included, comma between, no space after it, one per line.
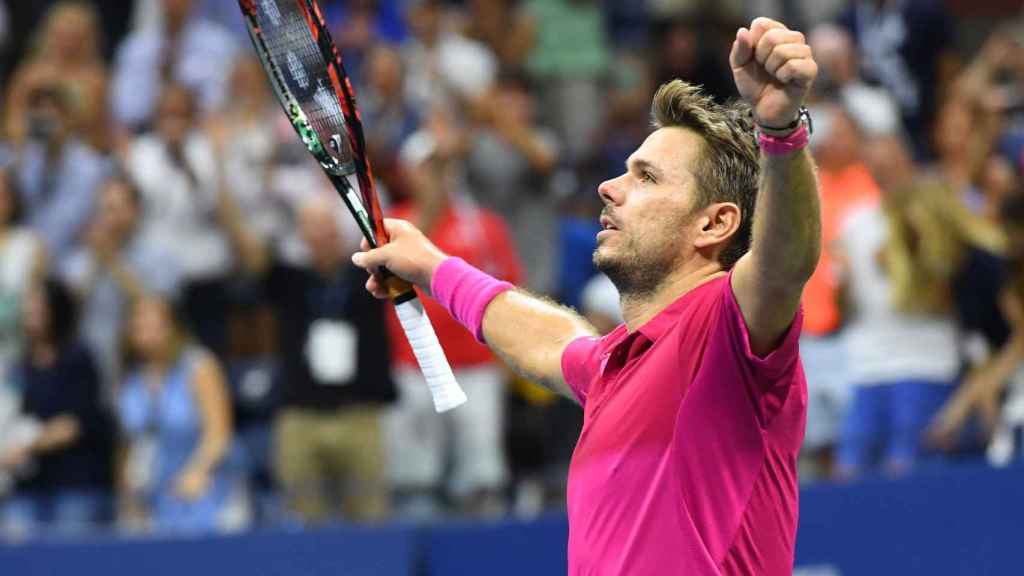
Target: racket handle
(443,388)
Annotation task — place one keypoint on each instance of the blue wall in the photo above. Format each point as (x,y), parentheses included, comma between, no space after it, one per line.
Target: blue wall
(962,521)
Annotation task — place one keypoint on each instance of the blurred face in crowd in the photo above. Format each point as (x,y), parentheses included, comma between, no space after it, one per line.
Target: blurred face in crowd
(425,21)
(47,114)
(35,315)
(118,209)
(71,33)
(649,222)
(385,71)
(319,229)
(514,101)
(248,82)
(954,122)
(839,145)
(152,330)
(176,12)
(889,161)
(175,115)
(834,51)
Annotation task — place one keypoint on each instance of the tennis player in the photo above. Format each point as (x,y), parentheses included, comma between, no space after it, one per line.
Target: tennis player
(694,409)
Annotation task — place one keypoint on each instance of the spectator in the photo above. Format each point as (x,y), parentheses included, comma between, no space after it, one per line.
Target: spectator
(115,265)
(175,413)
(871,108)
(58,174)
(192,52)
(845,186)
(503,28)
(569,58)
(22,261)
(245,146)
(21,264)
(245,141)
(417,436)
(444,67)
(359,24)
(902,256)
(190,207)
(67,47)
(1000,350)
(691,49)
(982,106)
(383,106)
(334,364)
(67,470)
(509,165)
(906,46)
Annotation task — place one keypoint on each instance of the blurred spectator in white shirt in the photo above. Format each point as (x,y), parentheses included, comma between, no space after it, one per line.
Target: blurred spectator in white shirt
(190,209)
(509,165)
(871,107)
(443,66)
(184,50)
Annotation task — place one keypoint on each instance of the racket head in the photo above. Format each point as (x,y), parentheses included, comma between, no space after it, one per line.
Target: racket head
(308,76)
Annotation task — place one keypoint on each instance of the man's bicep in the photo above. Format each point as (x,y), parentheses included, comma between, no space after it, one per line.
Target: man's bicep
(768,308)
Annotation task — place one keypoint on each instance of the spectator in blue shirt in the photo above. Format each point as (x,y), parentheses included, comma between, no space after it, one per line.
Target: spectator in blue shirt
(175,411)
(58,175)
(185,50)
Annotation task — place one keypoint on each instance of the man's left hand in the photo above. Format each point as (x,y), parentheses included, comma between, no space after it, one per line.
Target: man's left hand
(773,69)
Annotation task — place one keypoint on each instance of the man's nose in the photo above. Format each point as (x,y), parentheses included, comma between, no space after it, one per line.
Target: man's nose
(610,191)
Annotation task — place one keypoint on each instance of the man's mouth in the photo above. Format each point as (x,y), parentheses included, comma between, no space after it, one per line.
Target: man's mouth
(607,223)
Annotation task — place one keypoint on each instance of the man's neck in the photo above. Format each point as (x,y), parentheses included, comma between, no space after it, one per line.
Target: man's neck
(640,309)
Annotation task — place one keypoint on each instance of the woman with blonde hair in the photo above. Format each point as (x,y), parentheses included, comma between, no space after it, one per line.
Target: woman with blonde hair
(66,49)
(901,260)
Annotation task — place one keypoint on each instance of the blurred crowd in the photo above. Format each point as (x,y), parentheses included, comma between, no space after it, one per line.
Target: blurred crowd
(185,346)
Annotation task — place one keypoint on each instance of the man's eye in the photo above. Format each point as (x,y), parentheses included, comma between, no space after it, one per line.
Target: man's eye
(647,177)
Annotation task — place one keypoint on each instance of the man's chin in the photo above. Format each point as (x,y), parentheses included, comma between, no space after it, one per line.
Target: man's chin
(606,260)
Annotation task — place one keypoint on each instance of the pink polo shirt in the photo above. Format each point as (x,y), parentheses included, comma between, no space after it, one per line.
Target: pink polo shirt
(687,459)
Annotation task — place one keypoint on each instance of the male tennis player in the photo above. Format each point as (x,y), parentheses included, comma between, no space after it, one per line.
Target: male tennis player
(694,409)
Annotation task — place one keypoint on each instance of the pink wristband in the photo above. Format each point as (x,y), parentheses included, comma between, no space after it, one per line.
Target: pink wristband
(776,146)
(465,292)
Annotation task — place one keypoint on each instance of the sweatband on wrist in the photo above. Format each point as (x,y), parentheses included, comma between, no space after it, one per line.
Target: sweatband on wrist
(465,292)
(781,146)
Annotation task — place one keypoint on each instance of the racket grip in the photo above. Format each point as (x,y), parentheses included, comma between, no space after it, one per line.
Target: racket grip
(443,388)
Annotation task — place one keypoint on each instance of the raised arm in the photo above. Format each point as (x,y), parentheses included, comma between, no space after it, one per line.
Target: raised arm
(774,69)
(528,332)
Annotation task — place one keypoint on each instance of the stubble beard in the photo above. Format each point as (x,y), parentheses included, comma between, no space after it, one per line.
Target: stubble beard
(637,268)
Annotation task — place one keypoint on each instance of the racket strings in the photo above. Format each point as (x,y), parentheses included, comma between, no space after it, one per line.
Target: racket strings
(303,69)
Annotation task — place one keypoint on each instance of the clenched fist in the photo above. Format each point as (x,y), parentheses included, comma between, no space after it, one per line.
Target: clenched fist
(773,68)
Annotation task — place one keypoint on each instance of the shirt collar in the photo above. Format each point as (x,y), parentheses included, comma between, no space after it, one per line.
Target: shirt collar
(667,318)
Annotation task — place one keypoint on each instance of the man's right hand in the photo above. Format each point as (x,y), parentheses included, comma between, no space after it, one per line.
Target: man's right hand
(409,255)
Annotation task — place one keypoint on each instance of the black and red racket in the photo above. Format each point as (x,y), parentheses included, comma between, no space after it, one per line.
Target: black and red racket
(306,71)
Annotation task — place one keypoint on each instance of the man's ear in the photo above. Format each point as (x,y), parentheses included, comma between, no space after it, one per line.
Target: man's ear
(718,224)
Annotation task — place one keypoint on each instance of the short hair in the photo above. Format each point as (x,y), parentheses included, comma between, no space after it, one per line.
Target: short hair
(727,168)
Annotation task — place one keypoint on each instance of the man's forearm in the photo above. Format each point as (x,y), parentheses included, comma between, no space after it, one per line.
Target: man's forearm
(786,240)
(530,334)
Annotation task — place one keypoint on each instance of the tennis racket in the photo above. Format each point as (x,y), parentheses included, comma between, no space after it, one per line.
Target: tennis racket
(306,72)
